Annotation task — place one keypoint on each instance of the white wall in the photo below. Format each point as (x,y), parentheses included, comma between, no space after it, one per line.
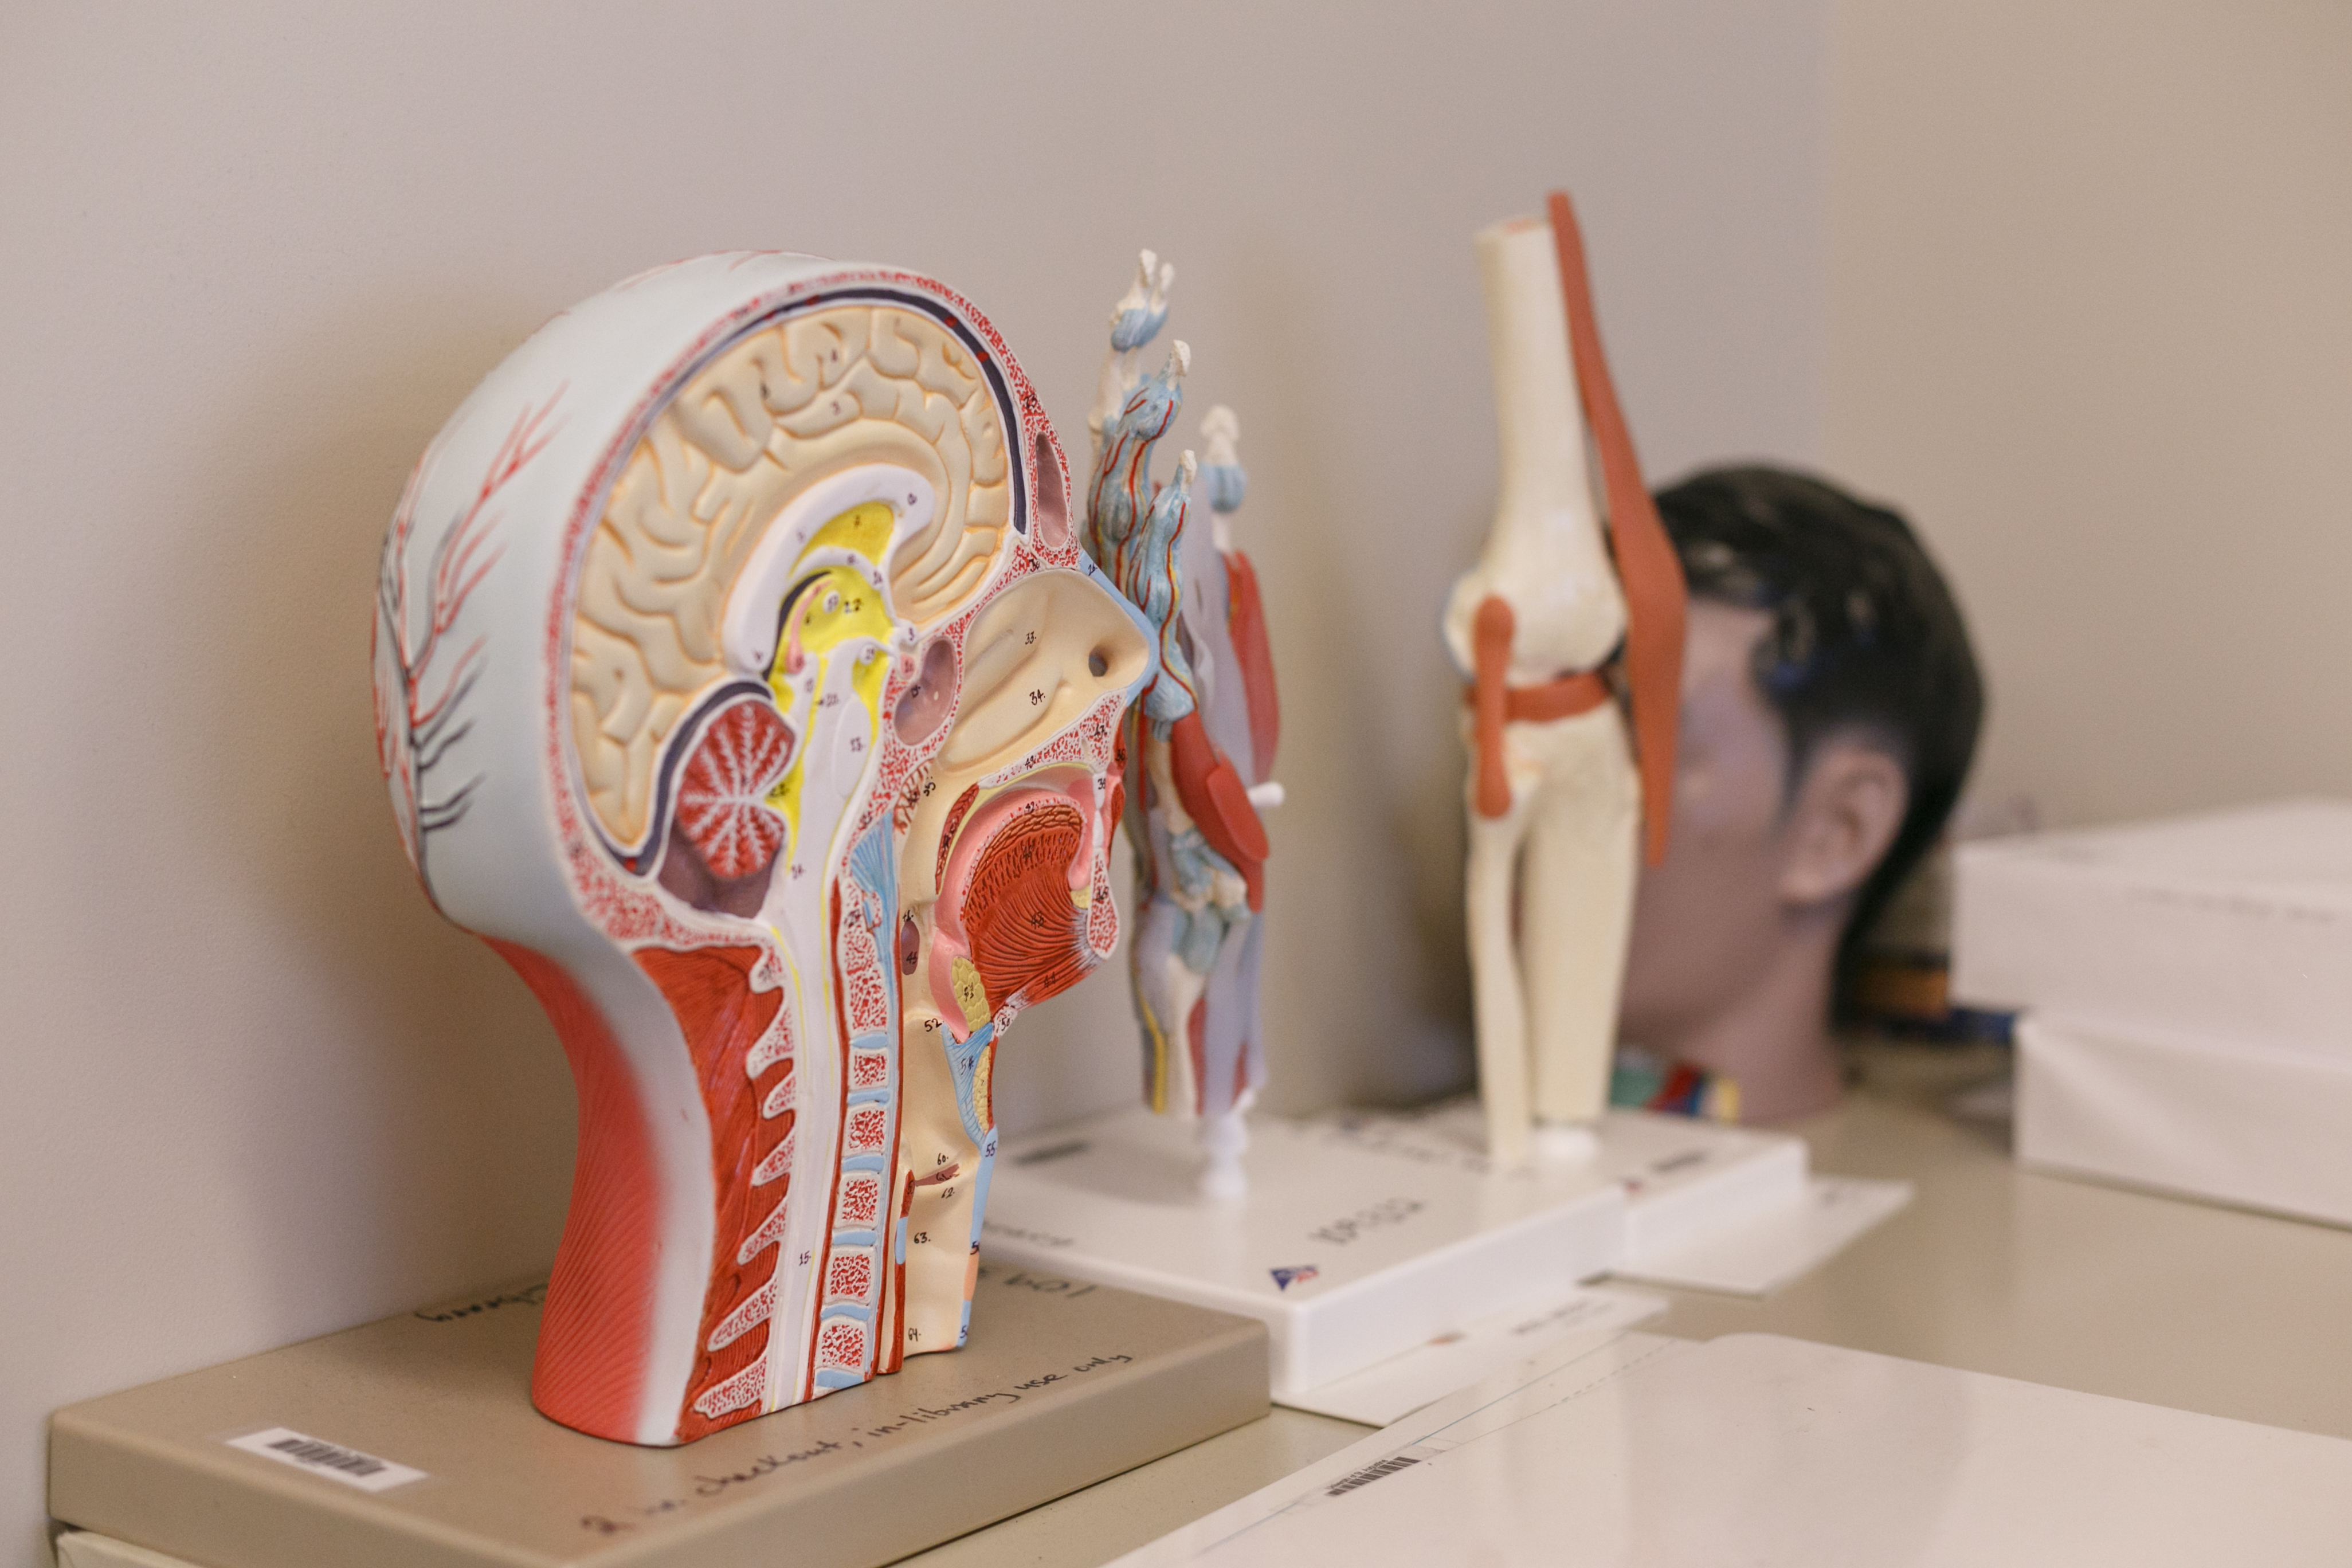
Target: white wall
(253,257)
(2091,322)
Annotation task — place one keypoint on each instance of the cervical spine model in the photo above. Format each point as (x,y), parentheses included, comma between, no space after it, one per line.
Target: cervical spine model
(1556,807)
(1207,733)
(740,681)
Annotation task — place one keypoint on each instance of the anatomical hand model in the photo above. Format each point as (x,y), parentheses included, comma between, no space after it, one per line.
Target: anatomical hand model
(1553,635)
(1205,736)
(740,681)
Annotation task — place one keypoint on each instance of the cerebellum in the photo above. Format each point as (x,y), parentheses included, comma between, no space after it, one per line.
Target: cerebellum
(720,801)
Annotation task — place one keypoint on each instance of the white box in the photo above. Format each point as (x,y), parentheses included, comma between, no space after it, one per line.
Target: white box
(2235,927)
(1752,1448)
(2267,1129)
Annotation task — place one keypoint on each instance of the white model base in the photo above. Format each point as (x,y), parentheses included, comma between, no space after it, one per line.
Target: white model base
(1686,1180)
(1683,1180)
(1361,1235)
(1560,1144)
(1224,1138)
(1351,1244)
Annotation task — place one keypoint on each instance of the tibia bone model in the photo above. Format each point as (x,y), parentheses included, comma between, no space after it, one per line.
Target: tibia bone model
(740,679)
(1556,806)
(1205,737)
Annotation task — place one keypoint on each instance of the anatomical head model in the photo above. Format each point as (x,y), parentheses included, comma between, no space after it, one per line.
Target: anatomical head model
(1830,706)
(1205,736)
(1561,629)
(740,680)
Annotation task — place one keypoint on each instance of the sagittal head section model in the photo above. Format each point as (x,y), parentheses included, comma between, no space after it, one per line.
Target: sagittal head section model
(740,679)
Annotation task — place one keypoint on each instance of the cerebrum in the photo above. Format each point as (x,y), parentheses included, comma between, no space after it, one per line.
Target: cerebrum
(739,679)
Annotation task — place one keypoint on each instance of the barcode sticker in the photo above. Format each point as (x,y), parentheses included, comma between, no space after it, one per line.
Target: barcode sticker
(1369,1474)
(331,1460)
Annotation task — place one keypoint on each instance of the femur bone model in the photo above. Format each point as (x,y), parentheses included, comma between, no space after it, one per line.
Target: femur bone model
(740,681)
(1555,620)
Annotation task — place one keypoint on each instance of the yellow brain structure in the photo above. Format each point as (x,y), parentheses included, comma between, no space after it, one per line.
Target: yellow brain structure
(784,407)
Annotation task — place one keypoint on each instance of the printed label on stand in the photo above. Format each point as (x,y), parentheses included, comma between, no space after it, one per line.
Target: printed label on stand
(331,1460)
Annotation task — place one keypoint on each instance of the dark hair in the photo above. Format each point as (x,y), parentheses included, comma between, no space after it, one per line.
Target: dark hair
(1864,635)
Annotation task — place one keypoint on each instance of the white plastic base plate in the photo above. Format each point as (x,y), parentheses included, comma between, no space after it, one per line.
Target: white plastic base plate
(1359,1238)
(1770,1248)
(1684,1181)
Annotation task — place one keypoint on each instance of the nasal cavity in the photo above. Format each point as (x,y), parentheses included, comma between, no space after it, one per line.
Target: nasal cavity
(925,706)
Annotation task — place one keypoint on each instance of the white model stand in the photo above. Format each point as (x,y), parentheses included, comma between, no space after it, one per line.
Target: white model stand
(1349,1248)
(1361,1236)
(1682,1179)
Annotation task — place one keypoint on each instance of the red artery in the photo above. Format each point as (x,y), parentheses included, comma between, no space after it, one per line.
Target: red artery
(1245,625)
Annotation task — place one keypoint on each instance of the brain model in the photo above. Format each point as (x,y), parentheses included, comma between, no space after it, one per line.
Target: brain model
(740,680)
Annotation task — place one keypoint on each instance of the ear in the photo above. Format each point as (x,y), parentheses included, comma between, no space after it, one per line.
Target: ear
(1847,811)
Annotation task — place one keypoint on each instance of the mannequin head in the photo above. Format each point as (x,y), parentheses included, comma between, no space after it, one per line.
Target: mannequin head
(1830,708)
